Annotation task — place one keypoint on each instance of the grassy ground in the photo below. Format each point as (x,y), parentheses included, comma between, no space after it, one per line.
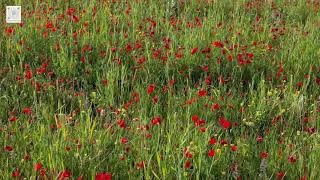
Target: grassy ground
(143,90)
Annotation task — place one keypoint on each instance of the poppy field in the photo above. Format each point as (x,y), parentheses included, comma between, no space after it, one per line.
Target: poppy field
(143,89)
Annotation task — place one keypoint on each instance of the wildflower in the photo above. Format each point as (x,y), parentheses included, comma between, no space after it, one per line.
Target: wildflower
(151,88)
(28,74)
(259,138)
(215,106)
(10,30)
(217,44)
(234,148)
(202,93)
(12,118)
(194,50)
(38,166)
(292,158)
(211,153)
(280,175)
(26,111)
(124,140)
(66,174)
(16,173)
(156,121)
(103,176)
(140,165)
(224,123)
(187,164)
(264,155)
(8,148)
(212,141)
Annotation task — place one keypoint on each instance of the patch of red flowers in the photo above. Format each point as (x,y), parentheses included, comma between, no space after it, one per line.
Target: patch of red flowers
(103,176)
(224,123)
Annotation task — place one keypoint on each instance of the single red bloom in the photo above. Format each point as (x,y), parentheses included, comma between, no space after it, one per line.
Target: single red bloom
(70,11)
(212,141)
(280,175)
(43,172)
(259,138)
(195,118)
(234,148)
(16,173)
(264,155)
(215,106)
(211,153)
(151,88)
(156,121)
(187,154)
(8,148)
(129,47)
(155,99)
(187,164)
(28,74)
(194,50)
(292,158)
(103,176)
(26,111)
(300,84)
(140,165)
(217,44)
(202,93)
(66,174)
(38,166)
(224,123)
(10,30)
(121,123)
(124,140)
(200,122)
(12,118)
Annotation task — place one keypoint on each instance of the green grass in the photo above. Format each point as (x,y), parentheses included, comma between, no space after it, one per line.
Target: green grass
(87,90)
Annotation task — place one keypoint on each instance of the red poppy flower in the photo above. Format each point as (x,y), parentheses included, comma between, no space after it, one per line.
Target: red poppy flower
(234,148)
(70,11)
(129,47)
(259,138)
(155,99)
(66,174)
(121,123)
(292,158)
(28,74)
(211,153)
(26,111)
(43,172)
(151,88)
(194,50)
(212,141)
(217,44)
(156,121)
(280,175)
(38,166)
(202,93)
(8,148)
(187,154)
(224,123)
(187,164)
(215,106)
(16,173)
(124,140)
(12,118)
(264,155)
(103,176)
(10,30)
(140,165)
(195,118)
